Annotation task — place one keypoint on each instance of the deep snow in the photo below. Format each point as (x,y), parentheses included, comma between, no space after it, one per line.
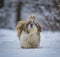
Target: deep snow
(10,47)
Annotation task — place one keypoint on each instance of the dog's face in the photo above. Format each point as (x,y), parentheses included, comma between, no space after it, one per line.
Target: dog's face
(32,25)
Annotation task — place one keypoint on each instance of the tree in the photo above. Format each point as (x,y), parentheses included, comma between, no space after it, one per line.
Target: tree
(18,11)
(1,3)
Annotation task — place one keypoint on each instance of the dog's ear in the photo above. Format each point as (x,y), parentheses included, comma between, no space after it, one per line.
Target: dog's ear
(20,27)
(26,24)
(19,33)
(20,24)
(38,26)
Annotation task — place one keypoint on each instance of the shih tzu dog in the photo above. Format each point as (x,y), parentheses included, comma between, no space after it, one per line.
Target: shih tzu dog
(29,32)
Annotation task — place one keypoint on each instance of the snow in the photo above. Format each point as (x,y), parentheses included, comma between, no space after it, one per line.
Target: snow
(10,47)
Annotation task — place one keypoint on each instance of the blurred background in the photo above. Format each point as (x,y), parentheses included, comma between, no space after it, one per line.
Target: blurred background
(47,13)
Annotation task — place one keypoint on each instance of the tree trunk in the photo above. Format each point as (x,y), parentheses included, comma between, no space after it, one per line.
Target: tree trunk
(1,3)
(18,11)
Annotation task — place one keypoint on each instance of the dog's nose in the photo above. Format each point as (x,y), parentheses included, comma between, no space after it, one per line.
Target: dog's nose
(31,25)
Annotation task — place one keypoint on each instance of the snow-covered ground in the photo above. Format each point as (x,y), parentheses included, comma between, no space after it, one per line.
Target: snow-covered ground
(10,47)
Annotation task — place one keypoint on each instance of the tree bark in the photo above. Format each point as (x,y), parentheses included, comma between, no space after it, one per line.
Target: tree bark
(1,3)
(18,11)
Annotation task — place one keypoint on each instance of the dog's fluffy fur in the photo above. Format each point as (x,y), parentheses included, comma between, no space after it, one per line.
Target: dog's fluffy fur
(19,28)
(28,40)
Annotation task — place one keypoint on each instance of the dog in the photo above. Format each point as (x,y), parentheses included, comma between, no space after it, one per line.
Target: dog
(29,32)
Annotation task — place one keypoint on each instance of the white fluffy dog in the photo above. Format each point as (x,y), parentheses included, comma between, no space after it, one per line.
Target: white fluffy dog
(29,32)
